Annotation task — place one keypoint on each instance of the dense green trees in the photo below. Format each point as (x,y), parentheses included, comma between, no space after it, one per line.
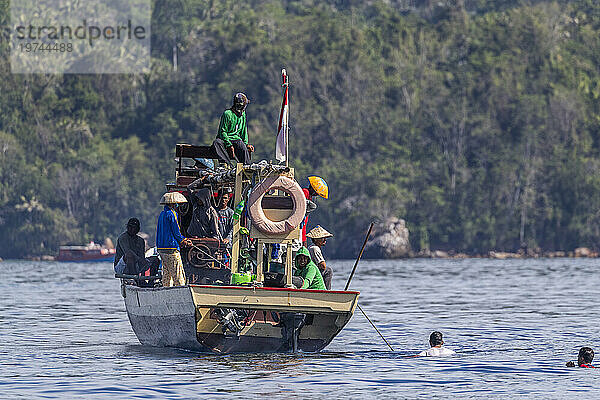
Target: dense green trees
(476,121)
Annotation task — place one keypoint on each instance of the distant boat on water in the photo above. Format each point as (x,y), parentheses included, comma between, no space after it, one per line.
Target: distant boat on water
(89,252)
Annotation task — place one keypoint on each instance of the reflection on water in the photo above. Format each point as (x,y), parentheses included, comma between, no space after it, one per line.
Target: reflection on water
(513,323)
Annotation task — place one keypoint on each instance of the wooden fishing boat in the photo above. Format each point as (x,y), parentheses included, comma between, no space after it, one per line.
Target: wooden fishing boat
(250,317)
(238,299)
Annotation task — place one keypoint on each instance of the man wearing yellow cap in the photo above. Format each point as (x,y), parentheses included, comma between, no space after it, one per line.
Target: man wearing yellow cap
(319,236)
(317,186)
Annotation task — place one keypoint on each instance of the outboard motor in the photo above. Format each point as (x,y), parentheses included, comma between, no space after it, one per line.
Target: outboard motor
(232,320)
(291,324)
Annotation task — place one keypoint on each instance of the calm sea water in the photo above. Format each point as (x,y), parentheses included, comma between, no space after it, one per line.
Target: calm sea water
(514,323)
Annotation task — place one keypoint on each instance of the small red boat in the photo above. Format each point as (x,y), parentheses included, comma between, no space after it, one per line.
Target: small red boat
(90,252)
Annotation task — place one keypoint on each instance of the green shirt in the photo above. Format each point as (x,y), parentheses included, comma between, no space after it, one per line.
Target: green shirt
(232,128)
(312,277)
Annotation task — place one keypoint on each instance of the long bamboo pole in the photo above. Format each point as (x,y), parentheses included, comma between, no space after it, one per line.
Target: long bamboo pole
(373,325)
(350,279)
(359,255)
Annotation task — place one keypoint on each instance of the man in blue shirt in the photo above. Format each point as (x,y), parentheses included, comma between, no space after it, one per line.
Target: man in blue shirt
(168,240)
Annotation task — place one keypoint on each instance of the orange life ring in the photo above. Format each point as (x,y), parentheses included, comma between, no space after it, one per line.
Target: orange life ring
(257,214)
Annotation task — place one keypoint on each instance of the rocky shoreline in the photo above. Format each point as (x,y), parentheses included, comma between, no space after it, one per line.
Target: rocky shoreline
(390,240)
(580,252)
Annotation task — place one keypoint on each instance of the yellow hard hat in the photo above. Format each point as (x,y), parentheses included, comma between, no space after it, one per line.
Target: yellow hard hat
(319,185)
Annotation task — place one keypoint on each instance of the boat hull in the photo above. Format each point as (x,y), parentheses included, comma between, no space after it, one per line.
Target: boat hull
(264,319)
(163,317)
(219,343)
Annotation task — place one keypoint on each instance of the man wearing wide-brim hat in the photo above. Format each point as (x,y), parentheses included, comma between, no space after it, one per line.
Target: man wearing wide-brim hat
(319,236)
(169,238)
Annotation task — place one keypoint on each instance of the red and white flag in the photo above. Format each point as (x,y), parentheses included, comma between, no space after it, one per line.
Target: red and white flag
(282,130)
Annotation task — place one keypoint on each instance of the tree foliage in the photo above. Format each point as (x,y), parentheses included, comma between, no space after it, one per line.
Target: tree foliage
(476,121)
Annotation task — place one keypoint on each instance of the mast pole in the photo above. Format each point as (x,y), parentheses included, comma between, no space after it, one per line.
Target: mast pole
(287,126)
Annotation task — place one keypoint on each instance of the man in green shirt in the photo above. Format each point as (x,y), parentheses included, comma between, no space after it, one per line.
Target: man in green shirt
(308,271)
(231,143)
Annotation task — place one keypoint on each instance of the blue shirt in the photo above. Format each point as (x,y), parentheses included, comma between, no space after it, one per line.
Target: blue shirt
(168,234)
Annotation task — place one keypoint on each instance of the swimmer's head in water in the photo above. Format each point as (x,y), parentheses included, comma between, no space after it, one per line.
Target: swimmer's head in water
(435,339)
(586,355)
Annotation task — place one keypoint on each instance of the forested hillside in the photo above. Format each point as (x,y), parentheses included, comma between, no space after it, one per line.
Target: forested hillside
(478,122)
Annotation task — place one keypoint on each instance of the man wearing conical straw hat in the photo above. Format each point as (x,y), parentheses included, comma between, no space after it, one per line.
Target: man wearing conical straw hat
(169,238)
(319,236)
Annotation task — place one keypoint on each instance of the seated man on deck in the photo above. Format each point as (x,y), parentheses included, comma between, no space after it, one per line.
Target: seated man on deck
(437,349)
(584,358)
(205,219)
(129,255)
(231,143)
(319,236)
(308,271)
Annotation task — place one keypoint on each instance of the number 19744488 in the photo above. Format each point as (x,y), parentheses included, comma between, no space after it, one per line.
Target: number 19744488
(35,47)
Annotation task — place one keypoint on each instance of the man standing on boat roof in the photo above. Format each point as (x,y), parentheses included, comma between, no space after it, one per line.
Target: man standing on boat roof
(231,143)
(169,238)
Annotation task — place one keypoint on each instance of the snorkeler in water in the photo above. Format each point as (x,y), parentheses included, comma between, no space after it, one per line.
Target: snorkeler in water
(584,359)
(437,349)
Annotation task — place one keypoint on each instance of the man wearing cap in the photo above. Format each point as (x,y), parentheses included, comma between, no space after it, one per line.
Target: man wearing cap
(319,236)
(168,240)
(130,249)
(317,186)
(231,143)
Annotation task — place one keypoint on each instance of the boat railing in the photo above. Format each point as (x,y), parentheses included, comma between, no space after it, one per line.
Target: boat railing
(138,278)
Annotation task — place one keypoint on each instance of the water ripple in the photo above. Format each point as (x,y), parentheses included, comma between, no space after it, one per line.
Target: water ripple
(513,323)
